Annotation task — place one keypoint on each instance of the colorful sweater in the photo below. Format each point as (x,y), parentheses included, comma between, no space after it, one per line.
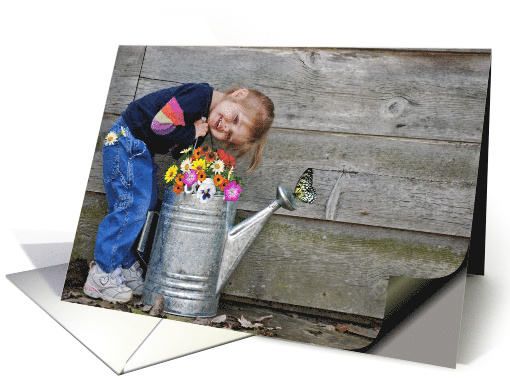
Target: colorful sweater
(165,119)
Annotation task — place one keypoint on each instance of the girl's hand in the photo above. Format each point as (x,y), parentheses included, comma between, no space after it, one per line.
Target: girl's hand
(201,128)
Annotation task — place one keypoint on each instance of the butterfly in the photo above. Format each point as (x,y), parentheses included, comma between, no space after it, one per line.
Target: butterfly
(304,188)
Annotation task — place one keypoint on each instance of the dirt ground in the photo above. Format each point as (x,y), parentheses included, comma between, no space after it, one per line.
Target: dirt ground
(240,316)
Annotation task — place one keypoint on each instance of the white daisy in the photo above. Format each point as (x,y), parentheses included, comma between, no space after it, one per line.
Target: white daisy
(218,166)
(111,138)
(186,165)
(186,150)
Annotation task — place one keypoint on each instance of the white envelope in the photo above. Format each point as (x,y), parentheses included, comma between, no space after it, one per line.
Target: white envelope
(151,340)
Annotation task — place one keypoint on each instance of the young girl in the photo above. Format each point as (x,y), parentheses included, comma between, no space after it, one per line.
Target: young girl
(167,120)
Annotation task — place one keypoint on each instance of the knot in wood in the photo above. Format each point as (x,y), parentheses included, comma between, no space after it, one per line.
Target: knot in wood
(312,60)
(395,106)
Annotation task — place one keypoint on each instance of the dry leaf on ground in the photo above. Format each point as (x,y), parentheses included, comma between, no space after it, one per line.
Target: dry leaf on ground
(202,321)
(264,320)
(219,319)
(247,324)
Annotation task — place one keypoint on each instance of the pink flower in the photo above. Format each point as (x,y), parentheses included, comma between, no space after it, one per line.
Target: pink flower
(232,191)
(190,178)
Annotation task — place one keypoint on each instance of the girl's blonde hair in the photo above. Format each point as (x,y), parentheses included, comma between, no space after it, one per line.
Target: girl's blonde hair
(259,110)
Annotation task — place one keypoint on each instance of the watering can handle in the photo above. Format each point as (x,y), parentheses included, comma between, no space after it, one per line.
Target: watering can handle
(144,235)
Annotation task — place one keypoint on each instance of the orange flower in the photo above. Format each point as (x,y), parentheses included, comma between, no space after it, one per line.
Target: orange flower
(218,179)
(224,183)
(201,175)
(210,156)
(178,188)
(178,179)
(197,152)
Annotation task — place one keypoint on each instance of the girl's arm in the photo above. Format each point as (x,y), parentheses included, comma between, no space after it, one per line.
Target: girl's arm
(171,116)
(168,118)
(201,128)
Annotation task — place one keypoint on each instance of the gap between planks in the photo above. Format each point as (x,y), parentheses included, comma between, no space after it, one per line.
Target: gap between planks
(287,129)
(340,133)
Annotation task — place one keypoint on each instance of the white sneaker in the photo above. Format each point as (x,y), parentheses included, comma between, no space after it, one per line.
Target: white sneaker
(133,278)
(108,286)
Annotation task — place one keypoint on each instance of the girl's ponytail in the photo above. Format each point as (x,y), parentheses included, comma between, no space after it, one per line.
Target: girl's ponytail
(257,154)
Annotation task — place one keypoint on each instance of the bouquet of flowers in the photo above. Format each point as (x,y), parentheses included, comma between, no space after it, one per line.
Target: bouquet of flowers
(206,173)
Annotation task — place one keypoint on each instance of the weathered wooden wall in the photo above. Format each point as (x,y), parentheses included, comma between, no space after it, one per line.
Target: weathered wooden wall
(394,140)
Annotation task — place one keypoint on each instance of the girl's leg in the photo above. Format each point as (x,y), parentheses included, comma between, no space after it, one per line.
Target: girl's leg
(132,256)
(131,270)
(128,181)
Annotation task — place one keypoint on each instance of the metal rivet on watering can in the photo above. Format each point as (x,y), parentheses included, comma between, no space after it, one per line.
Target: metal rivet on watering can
(196,249)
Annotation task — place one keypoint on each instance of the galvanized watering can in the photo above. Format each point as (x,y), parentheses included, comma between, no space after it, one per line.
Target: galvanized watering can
(196,249)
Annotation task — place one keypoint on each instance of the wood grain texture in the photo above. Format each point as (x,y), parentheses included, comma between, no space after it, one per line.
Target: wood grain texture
(431,95)
(327,264)
(324,265)
(388,182)
(126,74)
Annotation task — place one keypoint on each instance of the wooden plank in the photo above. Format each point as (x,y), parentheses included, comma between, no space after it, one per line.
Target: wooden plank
(125,78)
(319,264)
(95,180)
(407,184)
(419,94)
(436,207)
(335,266)
(288,325)
(435,50)
(94,209)
(302,328)
(406,158)
(427,160)
(399,183)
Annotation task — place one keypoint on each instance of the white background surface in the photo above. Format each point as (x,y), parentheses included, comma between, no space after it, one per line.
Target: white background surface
(56,66)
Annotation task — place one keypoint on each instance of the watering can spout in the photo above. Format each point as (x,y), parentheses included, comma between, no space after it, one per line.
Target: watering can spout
(241,236)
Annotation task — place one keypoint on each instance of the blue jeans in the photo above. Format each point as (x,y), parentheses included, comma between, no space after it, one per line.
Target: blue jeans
(129,177)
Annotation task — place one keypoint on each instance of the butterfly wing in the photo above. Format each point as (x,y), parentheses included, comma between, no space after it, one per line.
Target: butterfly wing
(304,188)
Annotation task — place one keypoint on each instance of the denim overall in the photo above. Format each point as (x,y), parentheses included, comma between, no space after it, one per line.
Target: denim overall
(129,177)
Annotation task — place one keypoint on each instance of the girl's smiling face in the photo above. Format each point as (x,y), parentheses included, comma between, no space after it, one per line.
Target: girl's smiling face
(228,122)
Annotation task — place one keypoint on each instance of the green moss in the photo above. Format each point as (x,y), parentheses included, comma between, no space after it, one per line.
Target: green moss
(389,249)
(139,311)
(179,318)
(95,209)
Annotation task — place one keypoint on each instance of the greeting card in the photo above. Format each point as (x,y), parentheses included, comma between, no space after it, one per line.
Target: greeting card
(316,195)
